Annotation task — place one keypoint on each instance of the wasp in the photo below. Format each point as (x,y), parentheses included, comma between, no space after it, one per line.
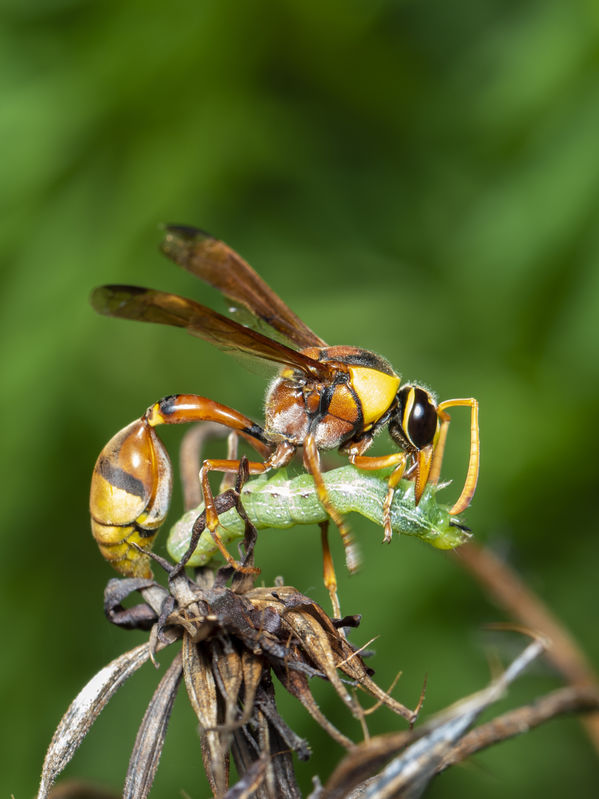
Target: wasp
(323,398)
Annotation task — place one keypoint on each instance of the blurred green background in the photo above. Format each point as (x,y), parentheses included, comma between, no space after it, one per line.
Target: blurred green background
(417,178)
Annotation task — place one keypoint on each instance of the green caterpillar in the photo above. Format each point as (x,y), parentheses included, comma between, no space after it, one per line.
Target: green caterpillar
(280,502)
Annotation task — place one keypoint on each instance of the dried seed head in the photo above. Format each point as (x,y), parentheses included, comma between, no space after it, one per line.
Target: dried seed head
(234,642)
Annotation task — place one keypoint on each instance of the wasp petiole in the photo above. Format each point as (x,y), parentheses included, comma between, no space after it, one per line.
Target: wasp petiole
(280,502)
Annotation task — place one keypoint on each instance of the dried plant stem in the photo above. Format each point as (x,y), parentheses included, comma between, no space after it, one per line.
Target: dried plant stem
(571,699)
(400,765)
(509,591)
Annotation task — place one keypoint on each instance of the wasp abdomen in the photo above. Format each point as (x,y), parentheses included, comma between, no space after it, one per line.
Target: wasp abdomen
(129,498)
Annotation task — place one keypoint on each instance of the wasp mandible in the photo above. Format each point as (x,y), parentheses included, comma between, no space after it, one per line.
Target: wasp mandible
(323,398)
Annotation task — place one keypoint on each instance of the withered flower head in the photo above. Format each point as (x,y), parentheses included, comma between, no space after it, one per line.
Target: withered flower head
(235,641)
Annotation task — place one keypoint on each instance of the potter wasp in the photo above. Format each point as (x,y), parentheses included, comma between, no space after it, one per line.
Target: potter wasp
(323,398)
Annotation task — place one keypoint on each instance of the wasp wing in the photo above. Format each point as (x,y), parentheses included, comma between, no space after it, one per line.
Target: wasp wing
(217,264)
(159,307)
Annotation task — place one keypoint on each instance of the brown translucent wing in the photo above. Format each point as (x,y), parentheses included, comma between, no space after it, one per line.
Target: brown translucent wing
(218,265)
(148,305)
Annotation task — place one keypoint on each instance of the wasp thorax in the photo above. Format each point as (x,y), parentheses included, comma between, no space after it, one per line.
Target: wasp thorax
(415,421)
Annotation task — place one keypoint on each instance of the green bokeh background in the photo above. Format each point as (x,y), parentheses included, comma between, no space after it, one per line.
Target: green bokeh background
(418,178)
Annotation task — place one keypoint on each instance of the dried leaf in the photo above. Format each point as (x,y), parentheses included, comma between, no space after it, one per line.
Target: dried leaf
(152,732)
(280,776)
(297,685)
(245,754)
(262,739)
(226,667)
(138,617)
(314,642)
(252,668)
(364,760)
(250,782)
(84,710)
(79,789)
(248,750)
(325,646)
(265,700)
(201,689)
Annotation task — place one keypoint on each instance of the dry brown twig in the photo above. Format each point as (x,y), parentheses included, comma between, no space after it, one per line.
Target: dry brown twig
(502,583)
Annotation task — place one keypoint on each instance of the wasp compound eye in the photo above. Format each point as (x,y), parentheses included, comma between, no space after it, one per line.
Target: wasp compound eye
(418,414)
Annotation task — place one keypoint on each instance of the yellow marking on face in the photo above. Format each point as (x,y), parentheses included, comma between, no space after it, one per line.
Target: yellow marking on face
(376,391)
